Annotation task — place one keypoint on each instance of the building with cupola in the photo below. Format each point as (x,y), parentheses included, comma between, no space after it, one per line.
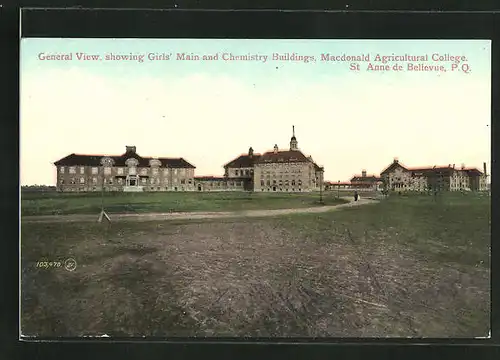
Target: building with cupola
(276,170)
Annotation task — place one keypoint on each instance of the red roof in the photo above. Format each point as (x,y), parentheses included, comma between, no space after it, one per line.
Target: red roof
(426,169)
(293,156)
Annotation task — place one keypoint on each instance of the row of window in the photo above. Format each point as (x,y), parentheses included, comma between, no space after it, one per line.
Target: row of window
(221,184)
(158,188)
(287,176)
(243,172)
(286,171)
(120,181)
(280,182)
(119,171)
(279,189)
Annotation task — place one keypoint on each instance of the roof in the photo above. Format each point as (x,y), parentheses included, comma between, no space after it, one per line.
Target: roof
(317,167)
(243,161)
(291,156)
(358,178)
(429,169)
(209,178)
(391,167)
(219,178)
(473,170)
(95,160)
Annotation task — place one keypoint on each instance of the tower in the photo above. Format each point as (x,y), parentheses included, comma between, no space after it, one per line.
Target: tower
(293,140)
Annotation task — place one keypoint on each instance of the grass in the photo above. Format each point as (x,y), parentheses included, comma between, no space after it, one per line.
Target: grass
(118,202)
(408,266)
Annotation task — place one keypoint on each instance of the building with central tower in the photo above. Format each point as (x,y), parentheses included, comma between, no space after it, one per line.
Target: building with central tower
(277,170)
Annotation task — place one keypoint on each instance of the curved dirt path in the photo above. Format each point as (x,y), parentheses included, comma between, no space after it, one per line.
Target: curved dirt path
(194,215)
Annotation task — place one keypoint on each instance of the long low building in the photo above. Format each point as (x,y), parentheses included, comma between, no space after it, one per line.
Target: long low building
(215,183)
(362,182)
(401,178)
(126,172)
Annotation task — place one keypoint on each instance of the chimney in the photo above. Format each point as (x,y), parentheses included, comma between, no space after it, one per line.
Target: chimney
(130,149)
(484,168)
(453,166)
(275,148)
(363,173)
(250,152)
(463,166)
(396,160)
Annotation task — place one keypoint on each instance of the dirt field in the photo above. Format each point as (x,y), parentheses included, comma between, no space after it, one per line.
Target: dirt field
(404,267)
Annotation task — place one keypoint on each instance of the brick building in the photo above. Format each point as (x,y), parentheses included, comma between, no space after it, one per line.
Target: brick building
(276,171)
(126,172)
(398,177)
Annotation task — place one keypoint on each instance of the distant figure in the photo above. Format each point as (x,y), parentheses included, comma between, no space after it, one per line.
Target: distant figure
(356,196)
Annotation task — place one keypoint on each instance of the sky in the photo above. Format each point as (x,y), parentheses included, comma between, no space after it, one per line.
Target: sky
(211,111)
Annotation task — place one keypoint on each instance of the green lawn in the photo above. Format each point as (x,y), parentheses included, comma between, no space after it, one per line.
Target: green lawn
(52,203)
(408,266)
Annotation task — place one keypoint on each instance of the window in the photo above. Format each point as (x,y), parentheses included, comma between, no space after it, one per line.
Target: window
(72,170)
(119,171)
(110,181)
(82,180)
(94,180)
(120,181)
(61,181)
(95,170)
(262,183)
(236,172)
(143,180)
(72,181)
(183,181)
(61,169)
(82,170)
(175,171)
(107,171)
